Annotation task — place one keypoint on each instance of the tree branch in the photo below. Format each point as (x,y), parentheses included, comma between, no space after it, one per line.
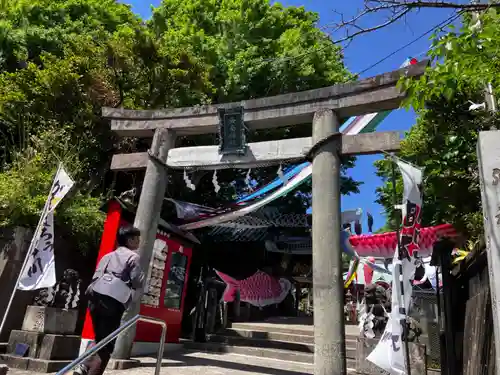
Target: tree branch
(412,4)
(394,10)
(361,30)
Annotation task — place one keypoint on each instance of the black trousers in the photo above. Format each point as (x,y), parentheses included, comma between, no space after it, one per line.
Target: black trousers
(106,314)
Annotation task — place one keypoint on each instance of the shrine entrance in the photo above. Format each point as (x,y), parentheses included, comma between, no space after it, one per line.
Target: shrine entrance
(323,108)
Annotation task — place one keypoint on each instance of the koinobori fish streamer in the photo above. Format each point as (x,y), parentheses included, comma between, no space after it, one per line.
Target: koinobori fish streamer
(259,290)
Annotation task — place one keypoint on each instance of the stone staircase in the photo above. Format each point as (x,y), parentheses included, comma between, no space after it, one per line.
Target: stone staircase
(272,340)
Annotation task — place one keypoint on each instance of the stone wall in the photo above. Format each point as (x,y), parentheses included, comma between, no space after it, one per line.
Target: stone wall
(14,244)
(69,256)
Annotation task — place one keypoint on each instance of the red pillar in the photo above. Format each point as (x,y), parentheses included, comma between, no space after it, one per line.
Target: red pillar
(108,243)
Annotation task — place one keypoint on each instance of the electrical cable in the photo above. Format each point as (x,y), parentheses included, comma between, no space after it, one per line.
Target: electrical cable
(438,26)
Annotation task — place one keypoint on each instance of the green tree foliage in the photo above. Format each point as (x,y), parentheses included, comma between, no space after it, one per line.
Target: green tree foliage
(250,49)
(466,60)
(61,61)
(443,140)
(53,81)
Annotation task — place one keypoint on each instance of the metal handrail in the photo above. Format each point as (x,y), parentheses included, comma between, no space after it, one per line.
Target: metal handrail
(115,333)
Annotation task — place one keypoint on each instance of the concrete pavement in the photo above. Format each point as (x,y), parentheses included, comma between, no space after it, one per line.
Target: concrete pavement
(193,363)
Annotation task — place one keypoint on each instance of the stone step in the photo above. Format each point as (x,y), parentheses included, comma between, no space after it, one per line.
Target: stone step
(253,351)
(277,328)
(275,344)
(266,335)
(33,364)
(277,336)
(292,329)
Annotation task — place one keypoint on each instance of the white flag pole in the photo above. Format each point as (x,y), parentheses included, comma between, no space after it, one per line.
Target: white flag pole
(30,250)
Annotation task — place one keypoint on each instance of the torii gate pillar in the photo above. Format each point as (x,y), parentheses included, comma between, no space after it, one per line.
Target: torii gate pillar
(147,219)
(329,334)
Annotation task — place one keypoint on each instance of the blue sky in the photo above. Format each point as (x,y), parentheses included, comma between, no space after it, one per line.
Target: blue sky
(359,55)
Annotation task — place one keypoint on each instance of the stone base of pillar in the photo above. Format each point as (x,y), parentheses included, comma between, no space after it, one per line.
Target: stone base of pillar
(123,364)
(40,352)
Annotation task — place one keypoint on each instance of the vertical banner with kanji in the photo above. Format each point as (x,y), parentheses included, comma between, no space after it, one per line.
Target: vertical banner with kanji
(389,354)
(40,271)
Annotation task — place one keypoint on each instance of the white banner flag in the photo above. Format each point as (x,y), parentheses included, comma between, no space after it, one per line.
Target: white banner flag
(60,187)
(389,354)
(40,271)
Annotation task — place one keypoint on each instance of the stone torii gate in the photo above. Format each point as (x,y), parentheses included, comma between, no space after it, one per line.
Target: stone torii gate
(323,108)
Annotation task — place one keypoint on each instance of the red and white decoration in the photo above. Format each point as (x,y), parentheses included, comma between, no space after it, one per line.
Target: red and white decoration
(384,245)
(389,354)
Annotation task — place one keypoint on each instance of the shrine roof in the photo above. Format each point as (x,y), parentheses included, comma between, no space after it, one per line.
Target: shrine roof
(129,212)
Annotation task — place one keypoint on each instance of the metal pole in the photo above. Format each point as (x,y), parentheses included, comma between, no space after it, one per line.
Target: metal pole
(28,253)
(161,345)
(489,97)
(124,327)
(146,220)
(404,326)
(329,330)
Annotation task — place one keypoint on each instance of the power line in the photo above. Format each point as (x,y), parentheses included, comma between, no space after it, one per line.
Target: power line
(438,26)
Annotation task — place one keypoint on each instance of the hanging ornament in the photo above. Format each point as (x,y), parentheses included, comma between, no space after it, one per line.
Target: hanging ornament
(76,297)
(281,175)
(412,61)
(54,294)
(476,26)
(248,180)
(51,293)
(366,324)
(370,222)
(188,182)
(369,327)
(215,182)
(69,296)
(362,315)
(474,106)
(357,227)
